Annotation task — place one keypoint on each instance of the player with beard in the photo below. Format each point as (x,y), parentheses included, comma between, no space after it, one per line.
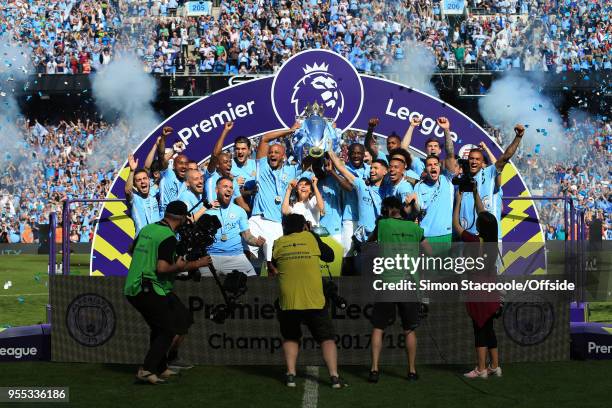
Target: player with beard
(172,182)
(350,215)
(144,207)
(488,182)
(432,146)
(220,165)
(193,195)
(227,251)
(244,169)
(434,195)
(368,194)
(273,175)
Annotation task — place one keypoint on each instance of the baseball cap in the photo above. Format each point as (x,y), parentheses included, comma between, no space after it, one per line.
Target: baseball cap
(177,208)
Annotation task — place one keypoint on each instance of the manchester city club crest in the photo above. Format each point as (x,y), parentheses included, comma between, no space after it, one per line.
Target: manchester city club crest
(90,320)
(528,323)
(322,77)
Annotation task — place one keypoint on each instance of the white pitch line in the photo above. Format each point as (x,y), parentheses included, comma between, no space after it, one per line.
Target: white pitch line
(26,294)
(311,388)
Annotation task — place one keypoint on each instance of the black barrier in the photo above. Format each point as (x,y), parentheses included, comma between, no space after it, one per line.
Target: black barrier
(93,322)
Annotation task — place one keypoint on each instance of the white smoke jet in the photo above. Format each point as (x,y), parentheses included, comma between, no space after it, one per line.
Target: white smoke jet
(14,66)
(122,89)
(514,99)
(417,67)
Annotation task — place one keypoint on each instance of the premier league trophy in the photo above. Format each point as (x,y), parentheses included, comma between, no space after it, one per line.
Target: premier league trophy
(315,136)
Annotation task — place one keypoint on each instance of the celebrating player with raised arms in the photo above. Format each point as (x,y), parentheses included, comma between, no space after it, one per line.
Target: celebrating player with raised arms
(273,175)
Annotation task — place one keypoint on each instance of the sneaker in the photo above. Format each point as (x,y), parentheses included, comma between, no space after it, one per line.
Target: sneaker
(149,377)
(476,374)
(413,376)
(337,382)
(178,364)
(168,373)
(290,380)
(373,377)
(496,372)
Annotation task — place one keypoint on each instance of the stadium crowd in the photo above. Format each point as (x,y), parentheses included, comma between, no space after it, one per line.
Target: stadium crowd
(58,154)
(71,36)
(50,164)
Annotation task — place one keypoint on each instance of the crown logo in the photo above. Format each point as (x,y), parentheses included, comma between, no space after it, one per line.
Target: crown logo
(316,68)
(314,109)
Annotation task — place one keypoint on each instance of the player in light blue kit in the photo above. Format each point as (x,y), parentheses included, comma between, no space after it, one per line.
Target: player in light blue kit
(488,182)
(227,252)
(368,195)
(220,165)
(350,214)
(193,195)
(244,169)
(172,182)
(331,187)
(144,207)
(432,146)
(434,195)
(273,175)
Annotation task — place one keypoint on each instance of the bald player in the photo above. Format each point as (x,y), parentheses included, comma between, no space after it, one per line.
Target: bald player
(273,175)
(193,195)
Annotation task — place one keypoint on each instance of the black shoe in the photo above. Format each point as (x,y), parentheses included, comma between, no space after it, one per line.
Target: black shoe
(337,382)
(373,377)
(290,380)
(413,376)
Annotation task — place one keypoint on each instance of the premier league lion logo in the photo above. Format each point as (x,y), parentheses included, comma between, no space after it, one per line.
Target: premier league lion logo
(318,85)
(321,77)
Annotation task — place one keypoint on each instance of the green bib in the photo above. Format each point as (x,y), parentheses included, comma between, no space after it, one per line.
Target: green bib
(399,237)
(144,261)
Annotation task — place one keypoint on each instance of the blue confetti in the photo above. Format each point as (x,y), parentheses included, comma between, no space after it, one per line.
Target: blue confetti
(540,105)
(537,148)
(549,120)
(28,97)
(21,299)
(538,130)
(526,126)
(565,88)
(586,78)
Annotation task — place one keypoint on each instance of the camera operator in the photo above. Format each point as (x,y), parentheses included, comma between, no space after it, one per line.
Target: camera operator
(148,287)
(296,260)
(488,183)
(227,250)
(391,228)
(483,308)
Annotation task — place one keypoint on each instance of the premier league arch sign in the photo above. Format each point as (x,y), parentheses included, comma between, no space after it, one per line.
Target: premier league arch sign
(350,99)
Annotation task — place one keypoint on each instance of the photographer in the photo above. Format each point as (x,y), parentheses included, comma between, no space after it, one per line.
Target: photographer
(392,229)
(481,309)
(148,287)
(488,184)
(227,250)
(296,260)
